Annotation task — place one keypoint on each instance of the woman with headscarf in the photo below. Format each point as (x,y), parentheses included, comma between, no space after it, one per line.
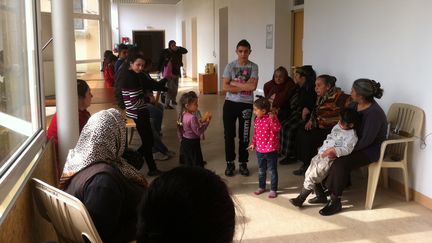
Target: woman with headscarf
(96,174)
(298,109)
(371,133)
(279,91)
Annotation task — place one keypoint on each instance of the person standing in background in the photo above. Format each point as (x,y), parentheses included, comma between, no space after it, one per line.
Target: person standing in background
(170,62)
(122,54)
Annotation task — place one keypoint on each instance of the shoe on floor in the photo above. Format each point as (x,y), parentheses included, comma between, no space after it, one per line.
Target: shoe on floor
(168,107)
(229,171)
(318,200)
(259,191)
(154,172)
(244,171)
(272,194)
(173,102)
(332,207)
(160,156)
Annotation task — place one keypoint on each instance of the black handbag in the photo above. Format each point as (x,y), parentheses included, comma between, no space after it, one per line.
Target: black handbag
(133,158)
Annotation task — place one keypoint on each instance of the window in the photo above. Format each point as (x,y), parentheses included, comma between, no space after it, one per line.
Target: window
(21,132)
(87,32)
(20,115)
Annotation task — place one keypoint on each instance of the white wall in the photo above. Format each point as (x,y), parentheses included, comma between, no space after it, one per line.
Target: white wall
(147,17)
(388,41)
(204,14)
(247,20)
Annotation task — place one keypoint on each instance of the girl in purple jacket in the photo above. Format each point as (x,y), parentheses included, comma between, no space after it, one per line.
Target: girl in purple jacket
(190,129)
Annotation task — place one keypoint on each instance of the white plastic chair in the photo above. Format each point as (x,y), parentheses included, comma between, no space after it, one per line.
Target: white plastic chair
(406,124)
(66,213)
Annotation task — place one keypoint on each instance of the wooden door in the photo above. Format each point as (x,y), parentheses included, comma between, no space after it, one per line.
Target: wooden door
(297,58)
(151,43)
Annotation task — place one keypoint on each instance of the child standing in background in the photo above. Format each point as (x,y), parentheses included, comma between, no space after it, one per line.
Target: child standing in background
(190,129)
(266,143)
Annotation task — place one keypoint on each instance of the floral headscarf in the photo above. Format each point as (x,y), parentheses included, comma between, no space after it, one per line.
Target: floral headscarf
(103,138)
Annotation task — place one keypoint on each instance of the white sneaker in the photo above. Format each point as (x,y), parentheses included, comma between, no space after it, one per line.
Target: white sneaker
(160,156)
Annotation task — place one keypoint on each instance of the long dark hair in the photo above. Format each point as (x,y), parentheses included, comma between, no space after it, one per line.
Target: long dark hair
(82,88)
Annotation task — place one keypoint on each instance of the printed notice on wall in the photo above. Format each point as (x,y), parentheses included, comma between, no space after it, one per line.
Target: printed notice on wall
(269,36)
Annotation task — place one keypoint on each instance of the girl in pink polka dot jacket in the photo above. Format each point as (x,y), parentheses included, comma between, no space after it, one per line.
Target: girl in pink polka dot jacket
(266,143)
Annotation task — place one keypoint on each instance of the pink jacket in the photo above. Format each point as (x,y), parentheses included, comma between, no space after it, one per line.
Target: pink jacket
(266,134)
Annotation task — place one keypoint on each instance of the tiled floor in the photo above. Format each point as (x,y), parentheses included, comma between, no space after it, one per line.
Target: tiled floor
(261,219)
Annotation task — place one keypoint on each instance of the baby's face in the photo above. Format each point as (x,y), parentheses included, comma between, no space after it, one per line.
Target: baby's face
(345,126)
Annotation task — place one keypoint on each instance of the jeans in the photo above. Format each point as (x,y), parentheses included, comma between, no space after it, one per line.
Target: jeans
(270,160)
(156,117)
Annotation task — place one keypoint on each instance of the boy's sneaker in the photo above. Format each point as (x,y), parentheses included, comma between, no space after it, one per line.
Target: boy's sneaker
(160,156)
(229,171)
(259,191)
(243,169)
(272,194)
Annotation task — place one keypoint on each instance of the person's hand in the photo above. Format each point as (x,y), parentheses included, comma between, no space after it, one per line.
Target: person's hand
(330,152)
(206,117)
(271,114)
(234,83)
(308,125)
(275,110)
(251,147)
(305,113)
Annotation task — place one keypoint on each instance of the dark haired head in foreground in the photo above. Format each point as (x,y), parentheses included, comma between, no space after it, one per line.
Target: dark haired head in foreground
(187,204)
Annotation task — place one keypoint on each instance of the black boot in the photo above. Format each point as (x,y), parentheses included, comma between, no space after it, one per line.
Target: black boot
(333,206)
(229,171)
(320,196)
(299,200)
(243,169)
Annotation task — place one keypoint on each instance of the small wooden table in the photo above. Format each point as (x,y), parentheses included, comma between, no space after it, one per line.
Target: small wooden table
(207,83)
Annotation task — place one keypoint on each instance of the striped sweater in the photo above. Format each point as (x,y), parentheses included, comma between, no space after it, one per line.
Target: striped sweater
(133,95)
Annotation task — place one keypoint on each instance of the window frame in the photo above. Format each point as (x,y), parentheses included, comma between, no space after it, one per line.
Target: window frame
(16,171)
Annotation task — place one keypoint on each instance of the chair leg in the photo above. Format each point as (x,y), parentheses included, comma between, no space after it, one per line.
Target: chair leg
(405,175)
(131,134)
(374,172)
(385,178)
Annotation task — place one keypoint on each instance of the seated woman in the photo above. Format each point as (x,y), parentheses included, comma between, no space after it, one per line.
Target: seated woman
(297,108)
(278,91)
(84,101)
(187,204)
(323,117)
(371,133)
(96,174)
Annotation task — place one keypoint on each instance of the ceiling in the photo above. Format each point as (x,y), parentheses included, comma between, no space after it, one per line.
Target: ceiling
(147,1)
